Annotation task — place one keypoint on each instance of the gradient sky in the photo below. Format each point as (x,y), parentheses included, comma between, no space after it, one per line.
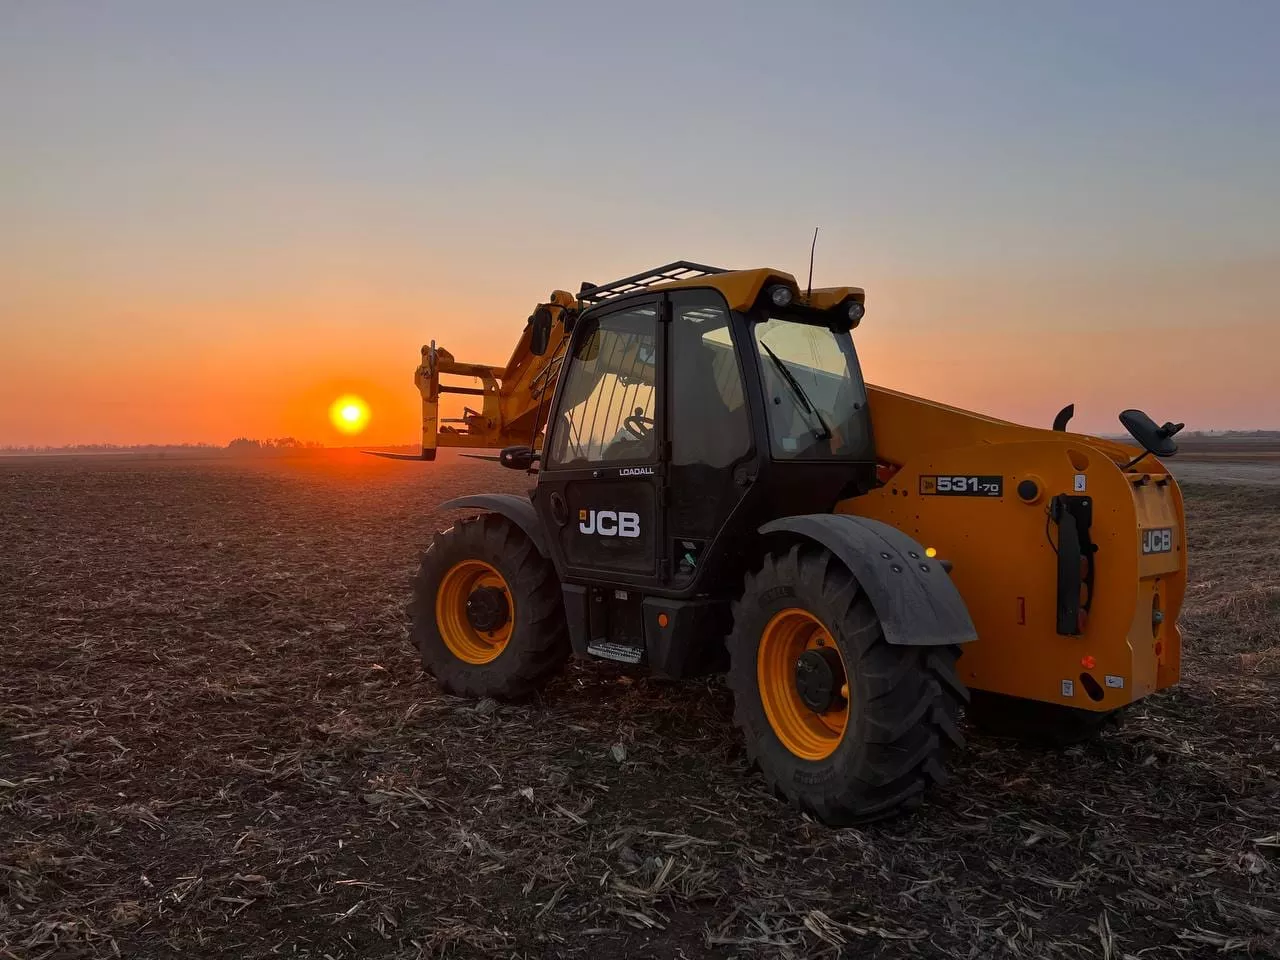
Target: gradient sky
(218,216)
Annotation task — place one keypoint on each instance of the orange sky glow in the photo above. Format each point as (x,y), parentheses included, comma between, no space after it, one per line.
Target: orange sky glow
(158,370)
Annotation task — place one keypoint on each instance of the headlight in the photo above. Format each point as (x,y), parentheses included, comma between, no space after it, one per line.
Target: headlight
(780,295)
(856,310)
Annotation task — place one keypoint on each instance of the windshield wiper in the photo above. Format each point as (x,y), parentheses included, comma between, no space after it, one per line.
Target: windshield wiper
(805,403)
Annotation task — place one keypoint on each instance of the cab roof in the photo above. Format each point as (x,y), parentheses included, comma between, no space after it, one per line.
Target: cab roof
(740,288)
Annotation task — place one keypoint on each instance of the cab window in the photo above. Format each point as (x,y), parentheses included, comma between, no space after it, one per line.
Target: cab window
(608,402)
(710,424)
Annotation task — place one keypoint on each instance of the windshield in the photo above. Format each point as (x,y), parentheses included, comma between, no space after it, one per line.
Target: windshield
(813,389)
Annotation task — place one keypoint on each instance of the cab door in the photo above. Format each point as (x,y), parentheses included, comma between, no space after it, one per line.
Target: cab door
(712,458)
(599,491)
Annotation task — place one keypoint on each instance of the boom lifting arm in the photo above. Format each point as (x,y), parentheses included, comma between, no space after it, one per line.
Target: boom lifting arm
(515,397)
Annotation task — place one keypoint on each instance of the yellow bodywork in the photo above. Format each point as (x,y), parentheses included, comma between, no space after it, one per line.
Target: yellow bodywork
(742,288)
(1003,556)
(1001,547)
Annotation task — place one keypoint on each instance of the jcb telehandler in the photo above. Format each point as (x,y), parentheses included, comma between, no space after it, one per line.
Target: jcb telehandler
(718,489)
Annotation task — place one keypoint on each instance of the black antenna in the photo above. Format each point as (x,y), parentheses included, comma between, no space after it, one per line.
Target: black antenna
(809,289)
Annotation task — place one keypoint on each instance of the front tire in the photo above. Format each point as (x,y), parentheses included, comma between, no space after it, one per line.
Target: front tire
(487,614)
(852,736)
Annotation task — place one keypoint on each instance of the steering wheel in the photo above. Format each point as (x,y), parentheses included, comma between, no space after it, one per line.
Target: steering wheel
(638,425)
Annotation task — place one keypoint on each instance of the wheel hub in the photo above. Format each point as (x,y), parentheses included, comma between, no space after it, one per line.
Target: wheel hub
(804,688)
(819,678)
(487,609)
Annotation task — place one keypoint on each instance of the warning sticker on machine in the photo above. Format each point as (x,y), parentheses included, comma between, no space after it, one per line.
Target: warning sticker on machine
(1115,682)
(1068,688)
(962,485)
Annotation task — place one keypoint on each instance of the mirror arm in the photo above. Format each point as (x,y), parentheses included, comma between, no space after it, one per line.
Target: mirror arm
(1064,417)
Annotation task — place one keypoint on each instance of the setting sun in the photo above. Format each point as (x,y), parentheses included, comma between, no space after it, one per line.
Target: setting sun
(349,414)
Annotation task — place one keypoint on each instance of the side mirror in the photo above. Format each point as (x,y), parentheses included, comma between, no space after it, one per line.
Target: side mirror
(540,337)
(518,457)
(1153,439)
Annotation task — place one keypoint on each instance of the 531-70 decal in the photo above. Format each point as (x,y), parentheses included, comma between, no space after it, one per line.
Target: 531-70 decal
(962,485)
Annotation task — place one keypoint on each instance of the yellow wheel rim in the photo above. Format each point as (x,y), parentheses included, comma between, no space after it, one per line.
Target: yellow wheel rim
(463,640)
(803,731)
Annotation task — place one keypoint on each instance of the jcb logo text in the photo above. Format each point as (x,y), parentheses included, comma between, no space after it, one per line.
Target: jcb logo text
(609,523)
(1159,540)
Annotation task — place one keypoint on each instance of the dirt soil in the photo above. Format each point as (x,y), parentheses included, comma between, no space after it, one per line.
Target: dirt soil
(215,741)
(1259,471)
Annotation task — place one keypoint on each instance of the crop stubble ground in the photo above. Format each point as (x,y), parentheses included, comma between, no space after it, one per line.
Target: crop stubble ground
(215,741)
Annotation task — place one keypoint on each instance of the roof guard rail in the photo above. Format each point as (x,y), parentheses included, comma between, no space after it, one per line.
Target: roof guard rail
(679,270)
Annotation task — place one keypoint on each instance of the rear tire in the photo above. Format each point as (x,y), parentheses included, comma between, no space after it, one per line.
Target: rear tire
(517,656)
(1035,722)
(901,706)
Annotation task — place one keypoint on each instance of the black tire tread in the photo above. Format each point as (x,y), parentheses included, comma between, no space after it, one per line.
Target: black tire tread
(539,645)
(910,714)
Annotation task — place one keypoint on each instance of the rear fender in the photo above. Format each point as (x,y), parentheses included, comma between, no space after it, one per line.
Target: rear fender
(516,509)
(913,596)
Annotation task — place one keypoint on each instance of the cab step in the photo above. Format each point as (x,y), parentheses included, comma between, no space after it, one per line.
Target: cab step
(620,652)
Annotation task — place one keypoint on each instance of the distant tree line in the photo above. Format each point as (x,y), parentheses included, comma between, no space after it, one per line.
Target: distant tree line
(240,446)
(105,447)
(243,446)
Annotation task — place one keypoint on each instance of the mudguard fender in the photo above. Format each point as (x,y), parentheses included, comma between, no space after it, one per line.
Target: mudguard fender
(913,596)
(519,510)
